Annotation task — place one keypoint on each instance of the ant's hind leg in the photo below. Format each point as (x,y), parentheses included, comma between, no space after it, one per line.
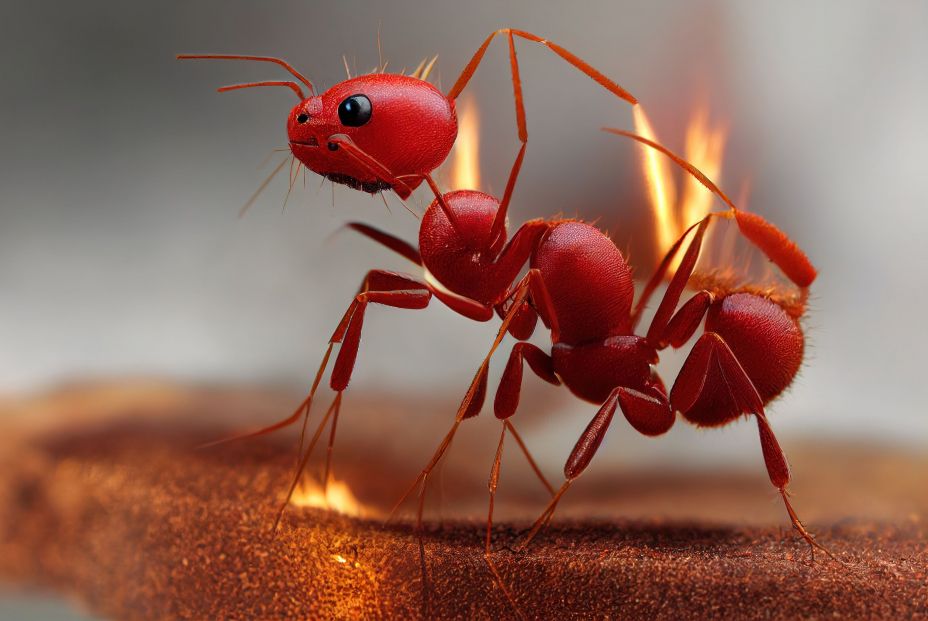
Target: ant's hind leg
(711,349)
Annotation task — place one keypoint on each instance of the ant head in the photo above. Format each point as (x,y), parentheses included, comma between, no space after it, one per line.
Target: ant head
(403,124)
(399,126)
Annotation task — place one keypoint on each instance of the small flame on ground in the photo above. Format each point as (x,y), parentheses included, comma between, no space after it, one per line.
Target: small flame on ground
(337,497)
(465,172)
(705,146)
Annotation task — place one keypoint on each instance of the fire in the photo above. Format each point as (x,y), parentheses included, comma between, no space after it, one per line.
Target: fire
(465,173)
(337,497)
(663,193)
(705,146)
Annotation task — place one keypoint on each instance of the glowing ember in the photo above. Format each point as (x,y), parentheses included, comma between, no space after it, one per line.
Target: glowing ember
(466,167)
(337,497)
(705,146)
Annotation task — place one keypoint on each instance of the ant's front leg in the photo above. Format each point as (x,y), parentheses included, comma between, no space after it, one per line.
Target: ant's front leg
(378,287)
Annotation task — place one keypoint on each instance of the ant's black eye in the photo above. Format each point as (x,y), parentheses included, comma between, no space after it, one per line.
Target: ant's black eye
(355,111)
(302,118)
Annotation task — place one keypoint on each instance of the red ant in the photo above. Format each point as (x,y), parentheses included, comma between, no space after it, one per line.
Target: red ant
(390,131)
(578,283)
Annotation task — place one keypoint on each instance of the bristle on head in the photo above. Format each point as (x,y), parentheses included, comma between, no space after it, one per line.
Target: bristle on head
(417,72)
(428,68)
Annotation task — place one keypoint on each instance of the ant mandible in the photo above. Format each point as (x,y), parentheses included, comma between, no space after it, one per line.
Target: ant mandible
(385,131)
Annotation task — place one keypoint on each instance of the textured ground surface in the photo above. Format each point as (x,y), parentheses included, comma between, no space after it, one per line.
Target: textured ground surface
(126,517)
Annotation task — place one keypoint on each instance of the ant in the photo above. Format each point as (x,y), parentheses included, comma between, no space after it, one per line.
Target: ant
(580,286)
(383,131)
(578,283)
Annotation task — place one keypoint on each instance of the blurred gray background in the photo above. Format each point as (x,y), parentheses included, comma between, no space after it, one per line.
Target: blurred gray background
(122,172)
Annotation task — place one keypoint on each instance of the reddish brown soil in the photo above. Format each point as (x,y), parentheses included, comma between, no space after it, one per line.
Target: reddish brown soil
(126,516)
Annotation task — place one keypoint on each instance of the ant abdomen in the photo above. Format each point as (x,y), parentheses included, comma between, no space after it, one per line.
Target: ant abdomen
(765,338)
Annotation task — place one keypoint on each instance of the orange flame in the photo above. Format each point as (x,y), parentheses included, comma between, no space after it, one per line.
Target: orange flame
(337,497)
(705,146)
(465,174)
(660,184)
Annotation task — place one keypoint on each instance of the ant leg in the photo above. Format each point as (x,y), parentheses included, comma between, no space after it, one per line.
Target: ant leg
(649,413)
(388,289)
(301,465)
(412,295)
(540,300)
(329,449)
(675,289)
(598,77)
(470,406)
(658,276)
(488,551)
(507,395)
(463,306)
(395,244)
(684,324)
(529,458)
(523,323)
(578,460)
(516,254)
(468,72)
(711,349)
(473,399)
(499,222)
(302,409)
(381,287)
